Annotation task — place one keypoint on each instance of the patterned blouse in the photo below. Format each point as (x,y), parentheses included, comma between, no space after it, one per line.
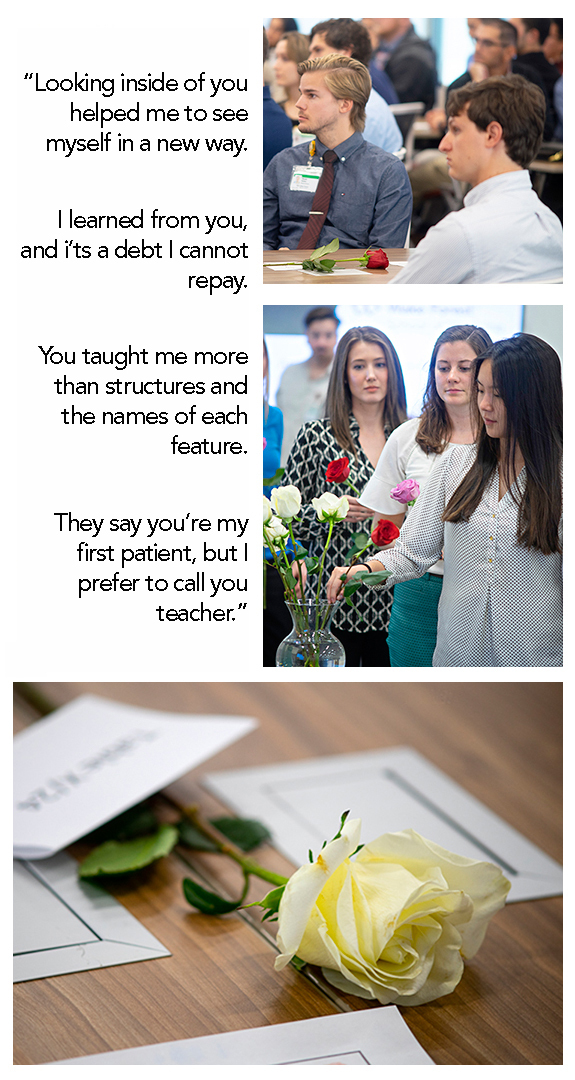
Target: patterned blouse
(315,447)
(501,604)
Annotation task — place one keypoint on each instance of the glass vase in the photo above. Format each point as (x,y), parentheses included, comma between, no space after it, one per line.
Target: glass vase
(310,642)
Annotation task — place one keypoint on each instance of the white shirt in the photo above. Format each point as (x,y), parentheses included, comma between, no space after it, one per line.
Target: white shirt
(301,399)
(401,459)
(501,604)
(503,233)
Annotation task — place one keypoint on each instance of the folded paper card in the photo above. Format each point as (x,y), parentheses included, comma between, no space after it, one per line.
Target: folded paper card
(87,762)
(62,924)
(375,1037)
(301,803)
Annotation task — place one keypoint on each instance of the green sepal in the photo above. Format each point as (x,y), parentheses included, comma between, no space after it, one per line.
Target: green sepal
(297,963)
(122,857)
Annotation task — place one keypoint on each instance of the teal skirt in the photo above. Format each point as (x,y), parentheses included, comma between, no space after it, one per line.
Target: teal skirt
(412,631)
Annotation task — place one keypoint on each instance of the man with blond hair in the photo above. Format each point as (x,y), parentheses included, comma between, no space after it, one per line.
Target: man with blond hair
(366,195)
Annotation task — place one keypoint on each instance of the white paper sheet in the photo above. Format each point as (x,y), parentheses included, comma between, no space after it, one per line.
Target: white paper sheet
(87,762)
(377,1036)
(301,803)
(62,924)
(317,273)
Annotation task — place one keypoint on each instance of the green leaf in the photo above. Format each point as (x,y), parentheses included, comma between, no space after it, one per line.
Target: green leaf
(193,838)
(271,481)
(208,903)
(325,250)
(122,857)
(137,821)
(307,264)
(312,564)
(243,832)
(327,265)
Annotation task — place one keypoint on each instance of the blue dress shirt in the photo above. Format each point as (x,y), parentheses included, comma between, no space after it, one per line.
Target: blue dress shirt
(370,203)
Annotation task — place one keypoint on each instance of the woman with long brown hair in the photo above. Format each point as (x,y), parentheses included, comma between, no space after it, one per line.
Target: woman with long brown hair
(448,419)
(495,509)
(365,403)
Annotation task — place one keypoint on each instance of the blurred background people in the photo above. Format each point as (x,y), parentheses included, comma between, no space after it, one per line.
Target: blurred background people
(277,129)
(276,29)
(292,49)
(406,59)
(303,388)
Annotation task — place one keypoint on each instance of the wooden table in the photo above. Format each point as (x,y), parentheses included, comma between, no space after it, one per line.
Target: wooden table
(296,277)
(501,741)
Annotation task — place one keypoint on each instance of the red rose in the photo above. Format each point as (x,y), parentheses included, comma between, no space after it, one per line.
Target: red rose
(384,533)
(378,260)
(338,470)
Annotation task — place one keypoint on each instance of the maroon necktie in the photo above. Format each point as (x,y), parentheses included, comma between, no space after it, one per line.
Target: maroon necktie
(320,205)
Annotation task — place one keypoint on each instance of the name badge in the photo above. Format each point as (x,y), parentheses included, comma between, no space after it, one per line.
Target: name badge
(305,177)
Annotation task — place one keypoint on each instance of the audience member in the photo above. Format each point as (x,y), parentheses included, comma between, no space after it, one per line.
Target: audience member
(531,33)
(303,387)
(291,50)
(504,232)
(276,125)
(406,59)
(365,189)
(276,29)
(349,38)
(495,48)
(553,44)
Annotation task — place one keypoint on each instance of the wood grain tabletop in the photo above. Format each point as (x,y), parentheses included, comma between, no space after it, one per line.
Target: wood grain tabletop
(501,741)
(298,277)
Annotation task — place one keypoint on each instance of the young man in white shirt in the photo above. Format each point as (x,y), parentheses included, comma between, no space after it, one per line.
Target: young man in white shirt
(504,233)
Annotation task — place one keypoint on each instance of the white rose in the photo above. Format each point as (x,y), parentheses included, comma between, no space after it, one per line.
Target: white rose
(267,509)
(328,506)
(274,530)
(286,501)
(394,924)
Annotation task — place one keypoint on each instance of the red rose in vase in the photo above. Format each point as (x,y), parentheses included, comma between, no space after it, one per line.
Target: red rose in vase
(384,532)
(337,471)
(378,260)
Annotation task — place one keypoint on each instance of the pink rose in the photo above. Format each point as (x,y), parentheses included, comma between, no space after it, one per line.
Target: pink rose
(406,492)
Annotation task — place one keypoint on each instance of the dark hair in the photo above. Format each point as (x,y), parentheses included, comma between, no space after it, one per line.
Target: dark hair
(345,34)
(434,431)
(507,31)
(297,46)
(527,376)
(339,404)
(513,102)
(289,25)
(266,46)
(541,25)
(317,313)
(559,24)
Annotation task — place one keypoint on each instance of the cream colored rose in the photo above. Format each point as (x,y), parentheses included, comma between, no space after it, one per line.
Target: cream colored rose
(286,501)
(328,506)
(267,509)
(274,530)
(393,924)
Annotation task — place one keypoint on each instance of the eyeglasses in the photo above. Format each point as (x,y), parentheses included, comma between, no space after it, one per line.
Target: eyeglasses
(486,42)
